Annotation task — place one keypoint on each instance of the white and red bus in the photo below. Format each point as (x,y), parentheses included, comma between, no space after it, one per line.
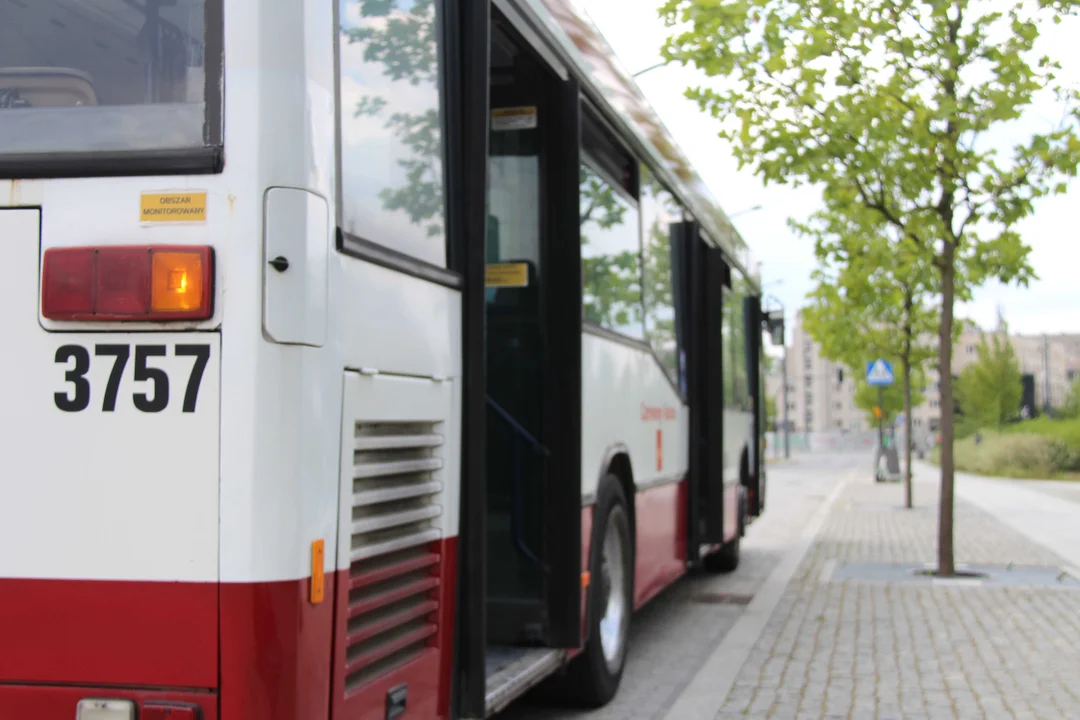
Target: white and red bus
(360,359)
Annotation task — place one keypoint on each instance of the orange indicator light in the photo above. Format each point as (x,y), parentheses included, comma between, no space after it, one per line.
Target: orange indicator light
(178,279)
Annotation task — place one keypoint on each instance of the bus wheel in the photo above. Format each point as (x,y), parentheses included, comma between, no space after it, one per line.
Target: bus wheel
(595,673)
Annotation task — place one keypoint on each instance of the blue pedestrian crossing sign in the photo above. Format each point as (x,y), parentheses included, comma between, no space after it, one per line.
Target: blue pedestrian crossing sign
(879,372)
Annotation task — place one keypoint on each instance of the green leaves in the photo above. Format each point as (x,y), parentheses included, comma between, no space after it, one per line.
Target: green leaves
(871,298)
(889,106)
(867,398)
(890,97)
(989,390)
(1072,400)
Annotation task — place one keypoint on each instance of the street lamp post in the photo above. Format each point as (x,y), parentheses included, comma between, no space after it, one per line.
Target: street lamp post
(787,436)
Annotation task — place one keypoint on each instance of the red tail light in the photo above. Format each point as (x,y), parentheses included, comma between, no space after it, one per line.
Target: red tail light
(128,283)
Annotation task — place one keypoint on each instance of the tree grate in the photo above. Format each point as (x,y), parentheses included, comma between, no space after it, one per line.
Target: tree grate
(973,575)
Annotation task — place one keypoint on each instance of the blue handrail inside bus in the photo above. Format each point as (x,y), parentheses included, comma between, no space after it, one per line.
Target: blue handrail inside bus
(517,427)
(516,518)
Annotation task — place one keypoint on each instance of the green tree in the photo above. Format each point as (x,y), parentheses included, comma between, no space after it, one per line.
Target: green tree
(771,416)
(890,106)
(872,300)
(894,399)
(989,390)
(770,364)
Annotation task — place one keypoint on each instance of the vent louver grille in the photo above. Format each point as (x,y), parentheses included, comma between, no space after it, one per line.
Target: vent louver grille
(394,573)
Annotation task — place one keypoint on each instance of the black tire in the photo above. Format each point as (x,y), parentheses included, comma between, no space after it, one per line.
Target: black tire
(592,680)
(726,559)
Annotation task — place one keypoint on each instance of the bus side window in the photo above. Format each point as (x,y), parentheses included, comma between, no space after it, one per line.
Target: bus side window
(391,116)
(735,367)
(659,211)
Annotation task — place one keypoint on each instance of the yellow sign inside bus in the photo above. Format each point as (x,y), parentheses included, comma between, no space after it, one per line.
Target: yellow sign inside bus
(507,275)
(173,207)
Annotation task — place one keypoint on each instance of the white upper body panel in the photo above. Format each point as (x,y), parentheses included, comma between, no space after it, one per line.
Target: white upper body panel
(629,405)
(106,475)
(243,498)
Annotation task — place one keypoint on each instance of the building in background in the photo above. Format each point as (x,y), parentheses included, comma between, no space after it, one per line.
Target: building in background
(821,393)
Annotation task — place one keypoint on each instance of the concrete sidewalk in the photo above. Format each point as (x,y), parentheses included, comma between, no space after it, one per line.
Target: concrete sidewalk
(1035,508)
(857,634)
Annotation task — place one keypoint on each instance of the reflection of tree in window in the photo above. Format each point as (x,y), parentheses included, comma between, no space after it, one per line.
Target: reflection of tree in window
(611,258)
(735,360)
(402,36)
(659,210)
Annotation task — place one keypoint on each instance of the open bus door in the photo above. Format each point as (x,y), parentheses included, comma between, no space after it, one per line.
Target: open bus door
(702,274)
(520,584)
(755,480)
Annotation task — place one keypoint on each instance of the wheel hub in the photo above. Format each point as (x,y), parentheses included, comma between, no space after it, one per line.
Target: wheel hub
(614,605)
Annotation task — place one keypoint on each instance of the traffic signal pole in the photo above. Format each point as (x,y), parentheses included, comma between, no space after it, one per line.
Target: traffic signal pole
(881,417)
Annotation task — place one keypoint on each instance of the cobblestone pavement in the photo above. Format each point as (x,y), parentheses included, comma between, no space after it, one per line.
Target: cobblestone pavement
(671,637)
(857,649)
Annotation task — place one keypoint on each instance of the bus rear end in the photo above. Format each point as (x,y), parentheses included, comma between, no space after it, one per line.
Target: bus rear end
(109,359)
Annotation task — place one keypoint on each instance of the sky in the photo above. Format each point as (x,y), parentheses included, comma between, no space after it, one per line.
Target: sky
(1049,304)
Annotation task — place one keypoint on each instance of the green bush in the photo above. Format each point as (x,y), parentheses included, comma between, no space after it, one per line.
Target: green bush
(1066,430)
(1040,448)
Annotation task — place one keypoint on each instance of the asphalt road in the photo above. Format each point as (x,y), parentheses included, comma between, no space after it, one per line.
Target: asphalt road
(672,636)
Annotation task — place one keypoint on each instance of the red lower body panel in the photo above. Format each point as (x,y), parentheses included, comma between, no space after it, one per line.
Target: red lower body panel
(96,632)
(65,640)
(46,702)
(275,650)
(660,517)
(275,646)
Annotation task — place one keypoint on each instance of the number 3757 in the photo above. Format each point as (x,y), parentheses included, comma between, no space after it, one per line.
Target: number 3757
(155,395)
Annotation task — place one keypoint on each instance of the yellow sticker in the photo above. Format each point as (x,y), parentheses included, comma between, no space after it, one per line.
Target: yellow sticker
(173,207)
(507,275)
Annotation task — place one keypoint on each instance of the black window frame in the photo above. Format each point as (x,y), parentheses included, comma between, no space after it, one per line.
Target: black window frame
(206,160)
(601,142)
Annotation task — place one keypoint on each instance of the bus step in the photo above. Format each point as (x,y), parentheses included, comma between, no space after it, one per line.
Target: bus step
(512,671)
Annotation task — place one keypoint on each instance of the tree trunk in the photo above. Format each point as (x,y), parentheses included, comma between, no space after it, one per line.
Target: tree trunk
(906,359)
(946,564)
(907,432)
